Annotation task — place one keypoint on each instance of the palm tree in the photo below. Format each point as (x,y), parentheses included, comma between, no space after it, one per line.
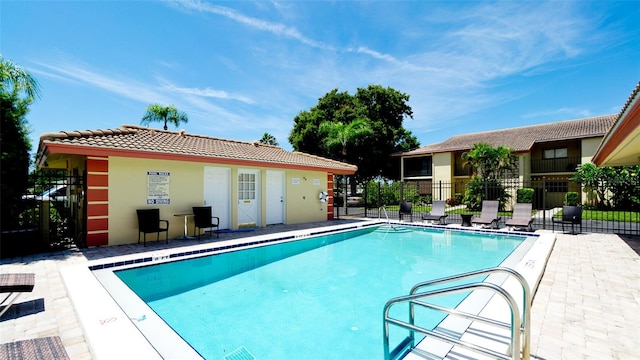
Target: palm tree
(16,79)
(489,162)
(268,139)
(14,134)
(166,114)
(341,134)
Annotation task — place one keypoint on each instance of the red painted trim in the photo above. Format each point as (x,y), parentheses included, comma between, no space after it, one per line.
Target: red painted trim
(95,151)
(97,210)
(97,180)
(97,195)
(97,239)
(94,165)
(624,128)
(100,224)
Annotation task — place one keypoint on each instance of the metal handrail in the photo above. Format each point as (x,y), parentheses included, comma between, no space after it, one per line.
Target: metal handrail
(526,297)
(519,325)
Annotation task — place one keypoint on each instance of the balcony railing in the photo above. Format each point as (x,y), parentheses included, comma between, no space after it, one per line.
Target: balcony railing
(417,172)
(567,164)
(462,170)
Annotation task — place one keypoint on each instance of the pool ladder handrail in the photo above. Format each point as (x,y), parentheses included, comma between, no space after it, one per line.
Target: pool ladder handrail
(384,209)
(519,325)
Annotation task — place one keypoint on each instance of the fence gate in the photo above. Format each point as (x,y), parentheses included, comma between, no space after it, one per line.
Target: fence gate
(55,211)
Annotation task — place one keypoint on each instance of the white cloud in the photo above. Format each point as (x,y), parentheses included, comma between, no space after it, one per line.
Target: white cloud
(565,112)
(125,87)
(206,93)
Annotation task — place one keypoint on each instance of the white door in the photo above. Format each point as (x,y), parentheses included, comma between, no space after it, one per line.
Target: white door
(248,197)
(217,193)
(275,197)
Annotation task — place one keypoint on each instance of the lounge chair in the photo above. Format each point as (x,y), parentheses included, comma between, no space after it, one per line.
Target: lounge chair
(571,215)
(405,209)
(437,213)
(489,215)
(204,220)
(521,217)
(46,348)
(13,285)
(149,222)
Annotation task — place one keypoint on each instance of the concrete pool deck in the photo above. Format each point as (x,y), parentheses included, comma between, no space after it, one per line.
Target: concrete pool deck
(587,304)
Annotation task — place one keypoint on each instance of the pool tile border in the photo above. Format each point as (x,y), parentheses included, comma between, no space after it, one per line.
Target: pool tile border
(295,235)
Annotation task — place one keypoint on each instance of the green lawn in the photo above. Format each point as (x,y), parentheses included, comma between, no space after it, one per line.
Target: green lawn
(602,215)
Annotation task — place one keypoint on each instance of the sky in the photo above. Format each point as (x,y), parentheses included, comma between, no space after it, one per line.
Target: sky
(239,69)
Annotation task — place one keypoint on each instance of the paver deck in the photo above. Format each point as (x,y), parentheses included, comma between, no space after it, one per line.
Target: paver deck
(586,307)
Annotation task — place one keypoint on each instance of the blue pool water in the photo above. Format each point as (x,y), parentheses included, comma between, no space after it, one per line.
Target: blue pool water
(317,298)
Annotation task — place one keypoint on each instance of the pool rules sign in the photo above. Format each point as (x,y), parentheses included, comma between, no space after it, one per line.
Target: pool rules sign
(158,187)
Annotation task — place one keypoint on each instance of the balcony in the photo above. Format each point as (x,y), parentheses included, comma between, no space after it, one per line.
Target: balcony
(567,164)
(462,170)
(417,172)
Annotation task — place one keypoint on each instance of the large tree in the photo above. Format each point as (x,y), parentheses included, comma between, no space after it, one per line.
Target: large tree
(18,91)
(339,135)
(165,114)
(384,110)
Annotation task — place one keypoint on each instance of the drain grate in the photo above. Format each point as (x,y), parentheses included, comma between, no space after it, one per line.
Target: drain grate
(240,353)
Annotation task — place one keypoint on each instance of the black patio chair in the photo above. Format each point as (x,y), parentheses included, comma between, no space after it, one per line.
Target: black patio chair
(571,215)
(203,219)
(149,222)
(405,209)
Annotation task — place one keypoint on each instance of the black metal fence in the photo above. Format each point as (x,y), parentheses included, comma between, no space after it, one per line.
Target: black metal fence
(612,207)
(51,215)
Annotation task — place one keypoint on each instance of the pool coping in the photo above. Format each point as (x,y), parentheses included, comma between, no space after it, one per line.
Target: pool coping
(113,333)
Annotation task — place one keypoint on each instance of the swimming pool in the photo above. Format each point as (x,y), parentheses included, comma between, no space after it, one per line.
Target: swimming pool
(318,296)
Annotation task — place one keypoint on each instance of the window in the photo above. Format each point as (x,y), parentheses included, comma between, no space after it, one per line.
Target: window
(555,153)
(246,186)
(420,166)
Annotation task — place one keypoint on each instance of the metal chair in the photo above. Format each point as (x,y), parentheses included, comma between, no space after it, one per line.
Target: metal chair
(203,219)
(405,209)
(149,222)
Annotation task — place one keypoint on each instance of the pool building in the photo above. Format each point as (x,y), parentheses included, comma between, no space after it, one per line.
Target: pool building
(118,171)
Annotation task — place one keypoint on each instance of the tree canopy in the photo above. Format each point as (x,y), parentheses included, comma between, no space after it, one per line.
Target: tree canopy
(18,91)
(382,109)
(166,114)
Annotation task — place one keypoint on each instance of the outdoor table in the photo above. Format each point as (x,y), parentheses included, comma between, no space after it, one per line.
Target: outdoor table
(466,219)
(186,216)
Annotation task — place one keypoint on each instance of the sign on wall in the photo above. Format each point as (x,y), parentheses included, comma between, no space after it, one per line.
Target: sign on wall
(158,187)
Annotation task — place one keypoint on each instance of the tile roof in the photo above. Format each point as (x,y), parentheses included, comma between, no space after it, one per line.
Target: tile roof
(522,139)
(142,139)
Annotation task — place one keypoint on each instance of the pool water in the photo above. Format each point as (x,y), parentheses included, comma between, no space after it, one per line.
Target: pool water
(316,298)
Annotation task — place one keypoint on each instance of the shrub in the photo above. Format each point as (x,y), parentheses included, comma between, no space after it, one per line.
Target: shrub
(525,195)
(478,189)
(571,198)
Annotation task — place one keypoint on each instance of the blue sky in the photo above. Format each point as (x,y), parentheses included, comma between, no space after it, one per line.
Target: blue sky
(243,68)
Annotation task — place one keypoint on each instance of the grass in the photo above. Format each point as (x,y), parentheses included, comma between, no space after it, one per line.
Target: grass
(604,215)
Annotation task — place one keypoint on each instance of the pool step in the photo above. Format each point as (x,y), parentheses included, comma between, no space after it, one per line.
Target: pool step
(393,228)
(240,353)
